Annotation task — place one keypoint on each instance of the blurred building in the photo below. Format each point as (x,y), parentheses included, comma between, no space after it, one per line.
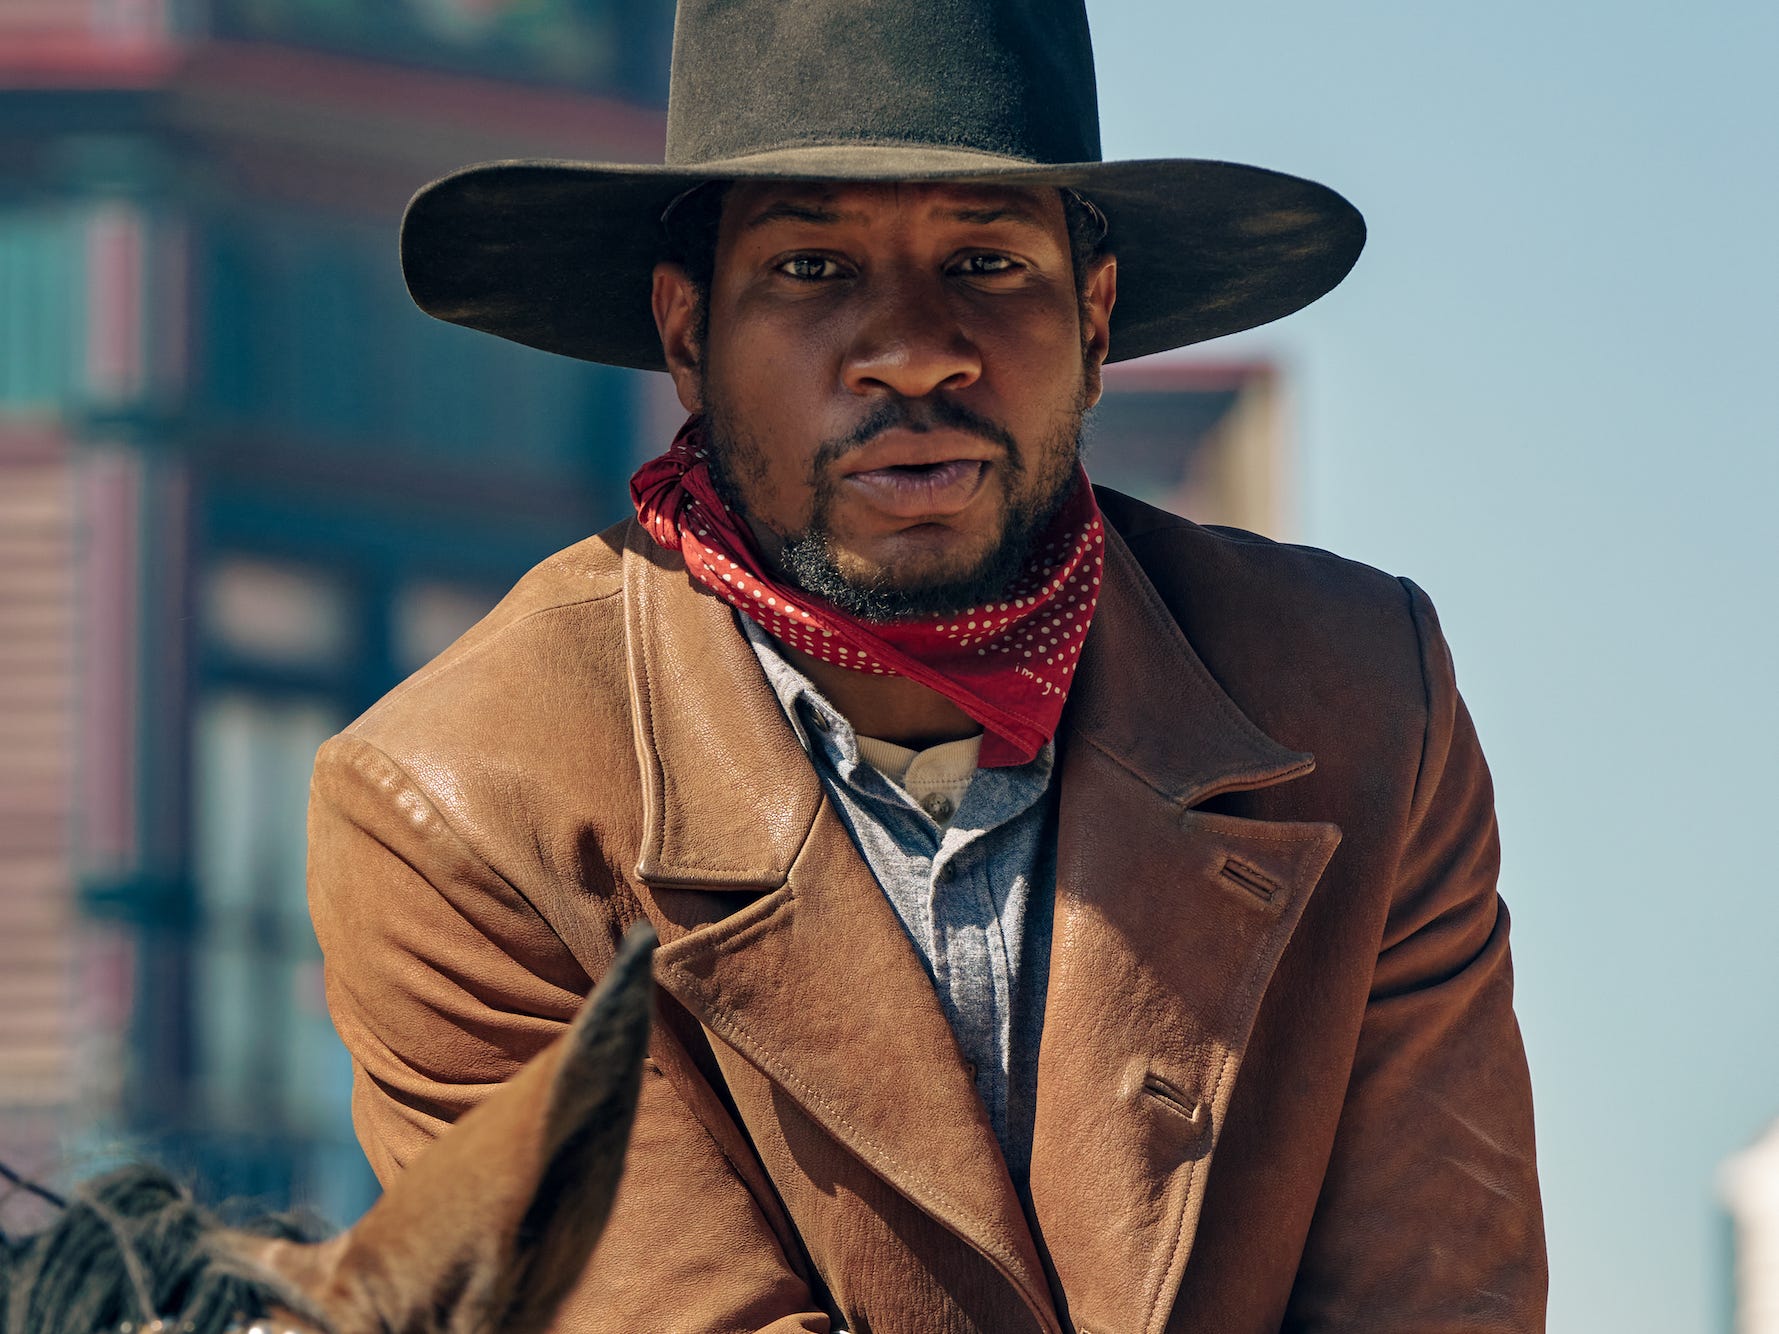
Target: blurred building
(1749,1183)
(1201,438)
(245,487)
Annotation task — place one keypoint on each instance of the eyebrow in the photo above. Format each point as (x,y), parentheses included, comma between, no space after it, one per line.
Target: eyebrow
(785,210)
(1011,211)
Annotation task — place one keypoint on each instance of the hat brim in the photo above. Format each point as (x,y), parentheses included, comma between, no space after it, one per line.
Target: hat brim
(558,255)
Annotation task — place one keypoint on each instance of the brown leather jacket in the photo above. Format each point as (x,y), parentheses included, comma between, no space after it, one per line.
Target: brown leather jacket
(1280,1085)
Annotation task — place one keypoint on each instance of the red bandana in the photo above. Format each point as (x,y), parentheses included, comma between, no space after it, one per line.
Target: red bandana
(1007,664)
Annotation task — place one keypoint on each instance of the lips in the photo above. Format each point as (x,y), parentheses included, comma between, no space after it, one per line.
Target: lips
(920,490)
(919,474)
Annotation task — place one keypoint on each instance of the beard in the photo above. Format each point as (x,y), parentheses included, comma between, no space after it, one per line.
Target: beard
(808,558)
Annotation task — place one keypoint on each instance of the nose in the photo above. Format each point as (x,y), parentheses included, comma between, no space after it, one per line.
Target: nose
(909,340)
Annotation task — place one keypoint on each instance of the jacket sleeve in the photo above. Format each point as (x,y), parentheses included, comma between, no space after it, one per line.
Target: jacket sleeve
(1429,1219)
(443,979)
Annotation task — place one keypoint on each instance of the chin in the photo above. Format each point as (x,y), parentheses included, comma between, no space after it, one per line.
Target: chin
(884,589)
(917,567)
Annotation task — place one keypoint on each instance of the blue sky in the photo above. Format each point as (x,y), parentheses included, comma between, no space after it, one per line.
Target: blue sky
(1547,394)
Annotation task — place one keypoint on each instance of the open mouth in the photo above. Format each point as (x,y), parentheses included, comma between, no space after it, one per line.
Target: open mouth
(916,490)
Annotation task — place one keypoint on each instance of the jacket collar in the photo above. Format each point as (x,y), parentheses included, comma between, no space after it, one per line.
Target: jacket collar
(749,832)
(1136,651)
(729,797)
(730,801)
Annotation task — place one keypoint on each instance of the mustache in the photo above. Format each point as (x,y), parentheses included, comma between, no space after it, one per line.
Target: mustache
(916,416)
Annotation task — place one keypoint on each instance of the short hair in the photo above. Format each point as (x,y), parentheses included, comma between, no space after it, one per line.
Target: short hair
(689,238)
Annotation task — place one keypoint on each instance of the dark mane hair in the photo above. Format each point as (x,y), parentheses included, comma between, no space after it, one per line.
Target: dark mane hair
(131,1239)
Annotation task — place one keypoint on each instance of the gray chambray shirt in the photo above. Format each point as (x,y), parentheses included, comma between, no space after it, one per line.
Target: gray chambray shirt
(975,896)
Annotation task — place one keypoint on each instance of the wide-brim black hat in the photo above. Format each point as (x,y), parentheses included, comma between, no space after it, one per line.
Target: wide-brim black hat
(558,255)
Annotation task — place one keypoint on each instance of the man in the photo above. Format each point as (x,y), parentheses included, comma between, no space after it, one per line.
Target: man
(1072,918)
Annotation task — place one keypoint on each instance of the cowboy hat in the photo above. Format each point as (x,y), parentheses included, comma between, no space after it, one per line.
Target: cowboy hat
(558,254)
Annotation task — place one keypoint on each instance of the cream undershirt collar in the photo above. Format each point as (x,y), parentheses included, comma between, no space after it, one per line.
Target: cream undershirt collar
(936,777)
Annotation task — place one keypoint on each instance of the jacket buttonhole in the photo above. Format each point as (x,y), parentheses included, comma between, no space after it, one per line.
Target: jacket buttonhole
(1163,1092)
(1261,886)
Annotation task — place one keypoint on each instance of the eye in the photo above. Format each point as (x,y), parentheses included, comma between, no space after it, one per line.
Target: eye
(987,265)
(809,268)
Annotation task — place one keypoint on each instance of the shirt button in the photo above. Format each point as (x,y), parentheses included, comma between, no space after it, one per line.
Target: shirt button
(937,805)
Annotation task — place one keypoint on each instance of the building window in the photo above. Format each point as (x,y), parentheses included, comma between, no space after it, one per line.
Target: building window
(277,615)
(42,291)
(430,615)
(269,1065)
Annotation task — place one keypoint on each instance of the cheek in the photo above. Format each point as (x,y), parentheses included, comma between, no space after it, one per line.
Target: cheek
(793,347)
(1042,389)
(766,377)
(1036,362)
(773,488)
(784,502)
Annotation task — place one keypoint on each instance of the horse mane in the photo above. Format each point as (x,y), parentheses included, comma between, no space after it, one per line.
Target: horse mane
(134,1245)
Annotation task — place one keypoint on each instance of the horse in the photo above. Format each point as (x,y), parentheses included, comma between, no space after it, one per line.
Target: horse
(486,1232)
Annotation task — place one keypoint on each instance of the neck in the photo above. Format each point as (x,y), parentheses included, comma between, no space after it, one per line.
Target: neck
(890,708)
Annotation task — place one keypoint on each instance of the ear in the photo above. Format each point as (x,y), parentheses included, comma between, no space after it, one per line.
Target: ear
(675,301)
(492,1226)
(1098,295)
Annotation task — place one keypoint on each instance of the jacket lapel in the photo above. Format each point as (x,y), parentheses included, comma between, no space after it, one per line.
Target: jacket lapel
(814,983)
(1169,923)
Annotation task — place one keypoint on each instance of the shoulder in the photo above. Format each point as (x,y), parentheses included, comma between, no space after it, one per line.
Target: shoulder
(1196,564)
(528,704)
(1307,643)
(561,624)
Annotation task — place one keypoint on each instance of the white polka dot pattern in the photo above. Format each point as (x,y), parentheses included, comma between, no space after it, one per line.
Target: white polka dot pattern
(1008,663)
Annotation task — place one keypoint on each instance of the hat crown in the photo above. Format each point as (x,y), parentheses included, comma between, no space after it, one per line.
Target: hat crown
(1009,77)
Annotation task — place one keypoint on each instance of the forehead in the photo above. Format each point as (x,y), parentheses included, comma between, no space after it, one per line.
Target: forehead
(751,205)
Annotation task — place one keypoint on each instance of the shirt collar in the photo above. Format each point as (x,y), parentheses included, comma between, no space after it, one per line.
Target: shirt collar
(804,706)
(808,711)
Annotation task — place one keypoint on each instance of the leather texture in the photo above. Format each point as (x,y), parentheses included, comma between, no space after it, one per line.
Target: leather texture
(1280,1087)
